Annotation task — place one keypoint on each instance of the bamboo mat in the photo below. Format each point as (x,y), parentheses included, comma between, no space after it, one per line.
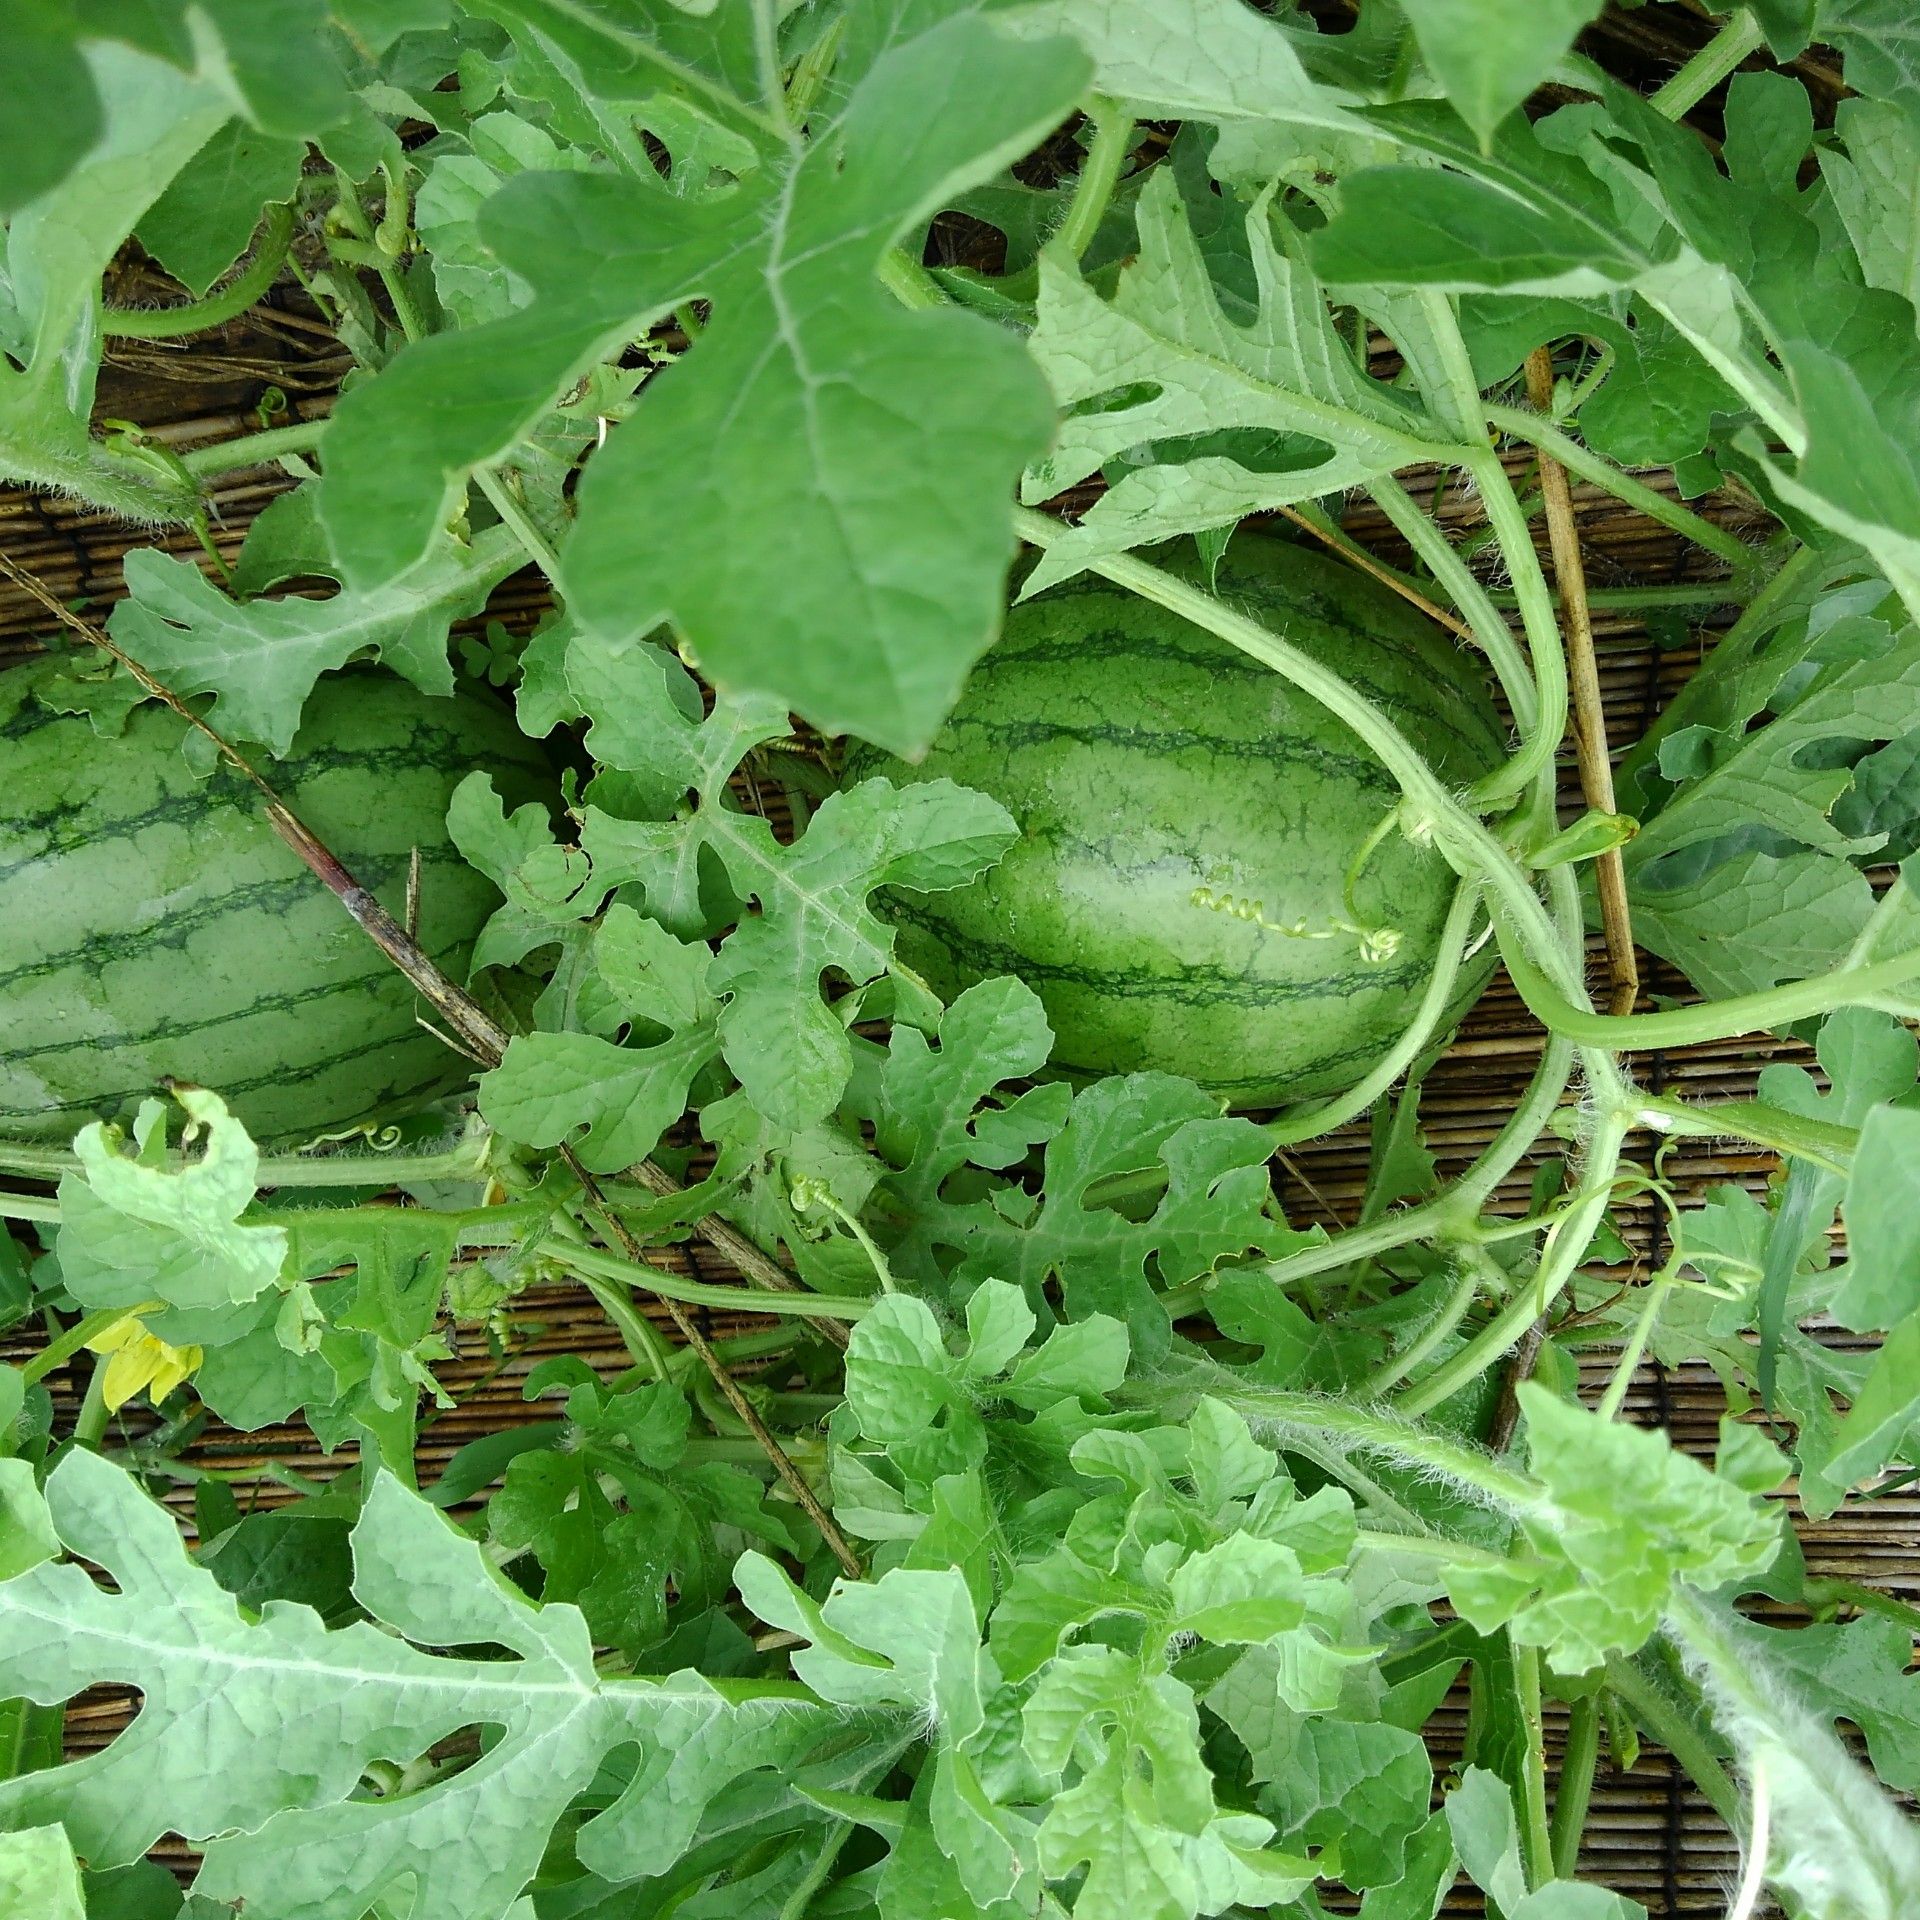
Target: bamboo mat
(1650,1835)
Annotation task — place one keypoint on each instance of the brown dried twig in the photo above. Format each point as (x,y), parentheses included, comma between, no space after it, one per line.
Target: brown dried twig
(1589,717)
(729,1241)
(736,1398)
(1357,555)
(480,1035)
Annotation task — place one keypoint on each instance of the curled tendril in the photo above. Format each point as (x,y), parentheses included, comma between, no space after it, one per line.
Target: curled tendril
(809,1195)
(1377,944)
(374,1139)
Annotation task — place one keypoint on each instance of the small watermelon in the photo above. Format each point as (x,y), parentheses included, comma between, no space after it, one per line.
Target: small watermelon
(1177,897)
(154,926)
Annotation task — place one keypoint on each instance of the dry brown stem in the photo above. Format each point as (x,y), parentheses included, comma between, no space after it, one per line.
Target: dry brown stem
(1589,718)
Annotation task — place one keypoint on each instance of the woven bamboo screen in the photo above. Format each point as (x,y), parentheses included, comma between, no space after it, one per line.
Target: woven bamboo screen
(1650,1835)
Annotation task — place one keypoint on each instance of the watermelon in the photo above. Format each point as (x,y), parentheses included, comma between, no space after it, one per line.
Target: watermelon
(1187,821)
(153,925)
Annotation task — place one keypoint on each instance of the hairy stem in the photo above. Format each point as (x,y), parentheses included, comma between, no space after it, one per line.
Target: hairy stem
(1574,1793)
(1740,35)
(635,1272)
(253,449)
(1310,1122)
(1099,175)
(232,300)
(1538,431)
(1374,1430)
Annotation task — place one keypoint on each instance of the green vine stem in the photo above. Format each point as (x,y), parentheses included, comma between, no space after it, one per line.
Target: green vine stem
(1820,1142)
(1739,36)
(1308,1123)
(807,1194)
(1509,521)
(1823,1797)
(514,516)
(1573,1795)
(1712,1019)
(643,1344)
(1477,1270)
(253,449)
(1536,1831)
(1453,1212)
(197,316)
(1675,1729)
(90,1423)
(29,1206)
(1099,175)
(1827,1596)
(354,217)
(1653,1297)
(1495,638)
(1540,432)
(909,282)
(592,1262)
(1560,1257)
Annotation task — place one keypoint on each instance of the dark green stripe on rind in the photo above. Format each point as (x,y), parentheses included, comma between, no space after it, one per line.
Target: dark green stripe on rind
(154,926)
(56,830)
(1181,806)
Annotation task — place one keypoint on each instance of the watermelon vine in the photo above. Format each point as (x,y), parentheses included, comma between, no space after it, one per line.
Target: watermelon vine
(967,810)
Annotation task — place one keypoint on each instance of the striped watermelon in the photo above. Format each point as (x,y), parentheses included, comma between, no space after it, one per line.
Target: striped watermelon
(1154,769)
(153,925)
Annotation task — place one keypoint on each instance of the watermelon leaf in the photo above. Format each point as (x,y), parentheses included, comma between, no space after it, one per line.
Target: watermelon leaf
(134,1231)
(39,1874)
(858,414)
(58,246)
(1596,1579)
(1160,365)
(260,658)
(788,1047)
(297,1712)
(1490,57)
(1212,1208)
(935,1111)
(550,1084)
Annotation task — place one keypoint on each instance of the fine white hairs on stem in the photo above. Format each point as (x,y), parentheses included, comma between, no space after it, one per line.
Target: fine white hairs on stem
(1746,1903)
(1832,1840)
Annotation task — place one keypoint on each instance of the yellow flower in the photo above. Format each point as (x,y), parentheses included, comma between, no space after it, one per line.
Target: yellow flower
(139,1359)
